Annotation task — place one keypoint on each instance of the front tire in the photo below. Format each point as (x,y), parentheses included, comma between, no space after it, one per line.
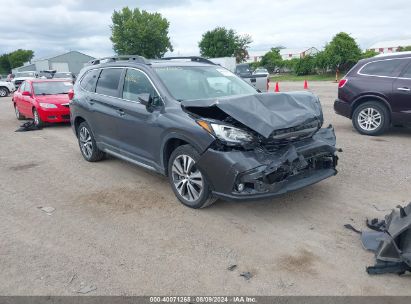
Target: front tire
(4,92)
(87,144)
(37,119)
(189,184)
(371,118)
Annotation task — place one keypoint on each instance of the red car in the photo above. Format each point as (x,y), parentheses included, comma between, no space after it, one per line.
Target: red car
(43,100)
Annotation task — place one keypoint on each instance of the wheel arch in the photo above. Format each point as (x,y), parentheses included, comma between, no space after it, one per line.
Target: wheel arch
(77,121)
(170,143)
(366,98)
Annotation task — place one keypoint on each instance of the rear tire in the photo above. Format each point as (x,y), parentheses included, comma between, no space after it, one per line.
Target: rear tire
(87,144)
(18,114)
(189,184)
(4,92)
(371,118)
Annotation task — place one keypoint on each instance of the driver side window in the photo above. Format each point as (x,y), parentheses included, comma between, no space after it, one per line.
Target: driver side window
(137,83)
(22,87)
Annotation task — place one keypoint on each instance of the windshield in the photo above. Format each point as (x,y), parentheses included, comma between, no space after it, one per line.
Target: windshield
(25,74)
(188,83)
(261,71)
(52,87)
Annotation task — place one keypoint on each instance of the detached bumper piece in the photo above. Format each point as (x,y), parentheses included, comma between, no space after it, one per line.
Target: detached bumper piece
(391,242)
(258,173)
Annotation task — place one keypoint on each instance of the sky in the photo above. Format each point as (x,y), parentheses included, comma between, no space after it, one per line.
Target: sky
(51,27)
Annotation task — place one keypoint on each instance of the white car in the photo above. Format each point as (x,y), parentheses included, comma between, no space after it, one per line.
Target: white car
(21,76)
(6,87)
(261,71)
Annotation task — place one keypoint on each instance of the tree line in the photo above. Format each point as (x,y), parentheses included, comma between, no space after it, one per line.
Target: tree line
(14,59)
(143,33)
(340,54)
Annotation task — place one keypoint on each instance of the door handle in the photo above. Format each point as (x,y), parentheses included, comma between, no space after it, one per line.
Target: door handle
(121,112)
(404,89)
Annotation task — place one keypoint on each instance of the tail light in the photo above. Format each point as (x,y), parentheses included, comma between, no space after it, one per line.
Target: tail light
(71,94)
(342,83)
(268,83)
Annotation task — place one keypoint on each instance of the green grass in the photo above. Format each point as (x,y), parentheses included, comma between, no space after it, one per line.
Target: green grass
(292,77)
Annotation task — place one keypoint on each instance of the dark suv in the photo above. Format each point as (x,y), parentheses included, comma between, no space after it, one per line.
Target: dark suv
(210,132)
(376,93)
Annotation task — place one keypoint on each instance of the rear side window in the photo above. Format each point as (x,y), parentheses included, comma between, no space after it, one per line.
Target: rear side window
(382,68)
(108,81)
(89,81)
(407,72)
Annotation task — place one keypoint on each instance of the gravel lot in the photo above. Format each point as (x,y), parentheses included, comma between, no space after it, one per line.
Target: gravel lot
(120,228)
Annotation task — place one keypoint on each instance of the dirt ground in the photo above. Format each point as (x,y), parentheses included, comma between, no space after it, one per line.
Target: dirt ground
(119,227)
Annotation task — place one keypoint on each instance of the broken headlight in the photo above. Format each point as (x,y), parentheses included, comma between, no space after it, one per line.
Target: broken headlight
(231,134)
(226,133)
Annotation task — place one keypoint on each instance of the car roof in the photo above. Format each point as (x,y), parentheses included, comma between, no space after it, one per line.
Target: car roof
(152,64)
(388,56)
(47,80)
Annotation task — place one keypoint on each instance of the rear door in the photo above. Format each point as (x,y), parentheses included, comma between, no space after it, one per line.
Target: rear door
(402,96)
(104,105)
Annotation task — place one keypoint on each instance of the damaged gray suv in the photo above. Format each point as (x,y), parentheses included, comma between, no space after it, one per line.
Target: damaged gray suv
(209,131)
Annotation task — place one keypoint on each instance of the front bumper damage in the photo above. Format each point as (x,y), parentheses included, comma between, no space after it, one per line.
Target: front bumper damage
(252,174)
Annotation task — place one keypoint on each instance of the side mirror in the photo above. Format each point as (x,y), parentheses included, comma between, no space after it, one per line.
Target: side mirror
(145,99)
(26,93)
(71,94)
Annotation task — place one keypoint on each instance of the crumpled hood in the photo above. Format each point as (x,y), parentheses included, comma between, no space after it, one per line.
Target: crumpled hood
(266,112)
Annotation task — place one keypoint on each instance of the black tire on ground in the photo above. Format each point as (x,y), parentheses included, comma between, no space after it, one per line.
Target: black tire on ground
(87,144)
(37,119)
(379,118)
(205,197)
(18,114)
(4,92)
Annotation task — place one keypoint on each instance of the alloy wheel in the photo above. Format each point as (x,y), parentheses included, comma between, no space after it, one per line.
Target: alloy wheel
(369,119)
(187,179)
(86,143)
(36,118)
(3,93)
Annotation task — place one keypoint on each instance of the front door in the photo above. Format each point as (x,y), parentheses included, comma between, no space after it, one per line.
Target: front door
(26,101)
(137,126)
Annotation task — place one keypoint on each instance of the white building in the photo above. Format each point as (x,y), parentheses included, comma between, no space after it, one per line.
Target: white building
(255,56)
(286,54)
(383,47)
(72,61)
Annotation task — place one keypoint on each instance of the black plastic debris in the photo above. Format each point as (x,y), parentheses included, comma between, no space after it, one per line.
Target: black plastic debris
(390,239)
(247,275)
(28,126)
(351,227)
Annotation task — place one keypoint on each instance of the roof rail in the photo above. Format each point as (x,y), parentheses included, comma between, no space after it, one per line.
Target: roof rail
(136,58)
(192,58)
